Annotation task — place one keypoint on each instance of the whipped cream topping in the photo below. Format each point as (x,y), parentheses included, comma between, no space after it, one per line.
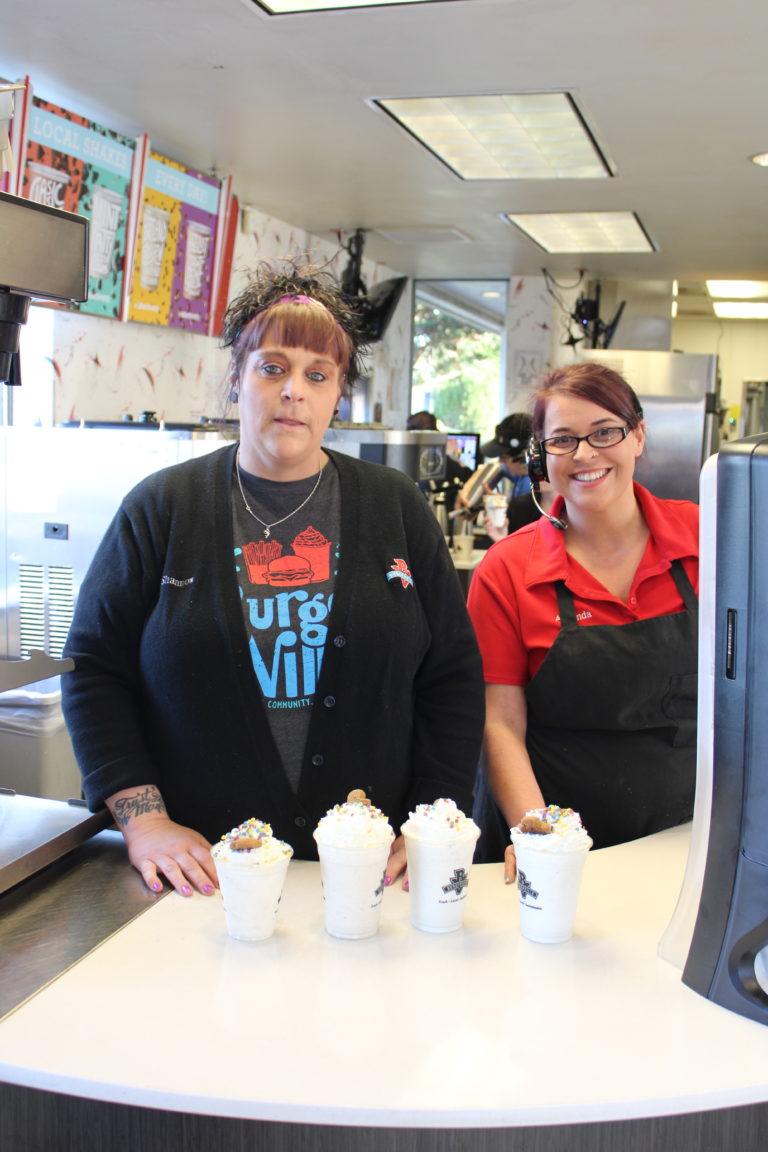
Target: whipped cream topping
(354,824)
(566,831)
(441,821)
(251,844)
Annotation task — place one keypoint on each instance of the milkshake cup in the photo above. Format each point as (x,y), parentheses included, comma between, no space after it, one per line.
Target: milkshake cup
(440,844)
(198,242)
(251,865)
(463,545)
(155,223)
(495,506)
(353,843)
(47,185)
(105,217)
(551,845)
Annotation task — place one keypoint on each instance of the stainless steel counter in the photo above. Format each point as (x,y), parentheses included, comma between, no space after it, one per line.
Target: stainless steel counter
(74,900)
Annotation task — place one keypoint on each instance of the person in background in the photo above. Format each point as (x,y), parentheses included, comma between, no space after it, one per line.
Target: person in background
(269,626)
(587,622)
(509,444)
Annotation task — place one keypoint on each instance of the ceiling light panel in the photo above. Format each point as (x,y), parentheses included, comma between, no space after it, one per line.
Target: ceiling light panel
(524,136)
(583,231)
(740,309)
(283,7)
(738,289)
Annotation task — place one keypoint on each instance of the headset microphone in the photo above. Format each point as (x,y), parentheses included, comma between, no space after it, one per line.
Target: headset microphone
(560,524)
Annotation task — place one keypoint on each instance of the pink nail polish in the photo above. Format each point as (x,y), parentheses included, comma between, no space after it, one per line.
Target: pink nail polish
(185,890)
(157,886)
(387,881)
(207,889)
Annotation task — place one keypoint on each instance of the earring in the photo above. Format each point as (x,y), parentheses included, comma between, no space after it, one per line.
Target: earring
(233,395)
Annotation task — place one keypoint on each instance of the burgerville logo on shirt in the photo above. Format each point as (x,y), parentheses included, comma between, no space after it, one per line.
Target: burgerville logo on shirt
(287,618)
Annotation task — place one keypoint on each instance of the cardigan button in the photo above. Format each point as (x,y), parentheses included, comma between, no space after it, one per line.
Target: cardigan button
(300,822)
(329,701)
(318,760)
(339,641)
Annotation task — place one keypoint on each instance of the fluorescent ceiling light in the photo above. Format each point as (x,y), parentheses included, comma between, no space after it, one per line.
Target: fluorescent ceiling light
(740,310)
(422,235)
(282,7)
(738,289)
(583,231)
(526,136)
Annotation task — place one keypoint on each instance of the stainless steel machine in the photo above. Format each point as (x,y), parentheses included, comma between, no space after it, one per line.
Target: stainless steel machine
(680,397)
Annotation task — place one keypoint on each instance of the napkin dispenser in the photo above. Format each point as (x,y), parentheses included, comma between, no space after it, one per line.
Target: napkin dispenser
(728,956)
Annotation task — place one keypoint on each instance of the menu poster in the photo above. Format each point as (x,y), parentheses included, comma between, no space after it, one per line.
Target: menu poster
(173,267)
(74,164)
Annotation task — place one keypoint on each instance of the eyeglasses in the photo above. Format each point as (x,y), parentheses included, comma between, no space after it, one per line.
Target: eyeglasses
(602,438)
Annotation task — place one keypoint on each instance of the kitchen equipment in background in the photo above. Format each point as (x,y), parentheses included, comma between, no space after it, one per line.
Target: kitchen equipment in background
(420,455)
(680,398)
(754,407)
(62,486)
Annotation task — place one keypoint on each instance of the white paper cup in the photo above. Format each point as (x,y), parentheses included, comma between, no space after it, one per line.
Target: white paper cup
(353,888)
(548,885)
(438,879)
(251,895)
(155,223)
(105,217)
(198,240)
(47,185)
(463,545)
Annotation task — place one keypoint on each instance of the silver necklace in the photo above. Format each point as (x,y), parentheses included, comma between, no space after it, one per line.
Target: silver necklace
(268,527)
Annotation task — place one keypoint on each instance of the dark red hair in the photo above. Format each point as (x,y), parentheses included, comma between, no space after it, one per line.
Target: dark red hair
(587,381)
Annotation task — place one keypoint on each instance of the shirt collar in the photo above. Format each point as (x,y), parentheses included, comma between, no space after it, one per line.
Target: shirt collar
(673,538)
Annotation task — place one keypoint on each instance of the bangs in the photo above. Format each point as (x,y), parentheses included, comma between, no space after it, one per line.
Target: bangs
(293,325)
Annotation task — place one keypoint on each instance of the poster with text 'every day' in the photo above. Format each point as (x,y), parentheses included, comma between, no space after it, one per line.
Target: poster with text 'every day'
(173,266)
(74,164)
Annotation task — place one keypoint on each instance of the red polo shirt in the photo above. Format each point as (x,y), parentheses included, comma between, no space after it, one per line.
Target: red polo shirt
(512,599)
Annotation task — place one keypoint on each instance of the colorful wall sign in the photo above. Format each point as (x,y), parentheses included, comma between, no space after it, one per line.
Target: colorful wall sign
(74,164)
(173,266)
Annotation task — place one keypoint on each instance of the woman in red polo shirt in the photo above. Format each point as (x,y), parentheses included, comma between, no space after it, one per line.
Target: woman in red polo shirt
(587,622)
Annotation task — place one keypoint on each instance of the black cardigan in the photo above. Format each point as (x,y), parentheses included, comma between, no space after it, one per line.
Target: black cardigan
(164,691)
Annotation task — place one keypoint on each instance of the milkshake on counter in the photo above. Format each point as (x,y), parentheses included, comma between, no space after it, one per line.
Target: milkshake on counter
(251,865)
(551,845)
(440,844)
(353,842)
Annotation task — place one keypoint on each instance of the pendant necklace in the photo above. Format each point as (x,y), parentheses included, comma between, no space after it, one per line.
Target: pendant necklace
(268,527)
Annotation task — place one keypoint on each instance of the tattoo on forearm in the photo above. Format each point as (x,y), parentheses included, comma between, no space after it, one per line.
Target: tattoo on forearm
(148,800)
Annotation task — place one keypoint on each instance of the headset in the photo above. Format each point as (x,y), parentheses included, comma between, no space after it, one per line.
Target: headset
(536,460)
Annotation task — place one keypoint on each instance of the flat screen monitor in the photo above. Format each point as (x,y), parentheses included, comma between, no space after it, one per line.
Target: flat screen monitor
(464,448)
(43,251)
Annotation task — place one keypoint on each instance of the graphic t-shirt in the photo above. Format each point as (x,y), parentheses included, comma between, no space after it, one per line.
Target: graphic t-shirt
(286,589)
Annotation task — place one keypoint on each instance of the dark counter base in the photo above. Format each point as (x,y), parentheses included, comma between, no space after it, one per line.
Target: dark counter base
(31,1121)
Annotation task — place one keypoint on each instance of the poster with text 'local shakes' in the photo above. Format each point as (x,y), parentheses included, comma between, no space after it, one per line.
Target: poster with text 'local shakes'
(173,268)
(74,164)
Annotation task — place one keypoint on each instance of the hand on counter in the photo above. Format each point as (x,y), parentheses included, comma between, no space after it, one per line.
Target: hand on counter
(510,864)
(396,863)
(158,846)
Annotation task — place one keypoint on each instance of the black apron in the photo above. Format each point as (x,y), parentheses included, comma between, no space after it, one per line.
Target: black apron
(612,722)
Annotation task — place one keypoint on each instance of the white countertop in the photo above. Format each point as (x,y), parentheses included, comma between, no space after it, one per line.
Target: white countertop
(478,1028)
(468,562)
